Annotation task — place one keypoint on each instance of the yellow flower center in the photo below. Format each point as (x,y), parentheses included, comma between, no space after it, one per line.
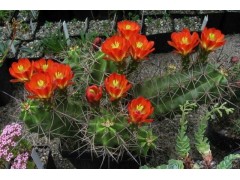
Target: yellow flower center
(115,83)
(20,68)
(92,91)
(139,44)
(45,67)
(139,107)
(40,83)
(211,36)
(58,75)
(115,45)
(128,27)
(107,123)
(185,40)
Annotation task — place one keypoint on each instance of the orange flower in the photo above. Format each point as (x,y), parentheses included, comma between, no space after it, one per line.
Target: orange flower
(94,94)
(139,109)
(115,48)
(21,70)
(184,42)
(140,47)
(116,85)
(40,86)
(43,65)
(62,75)
(211,39)
(128,28)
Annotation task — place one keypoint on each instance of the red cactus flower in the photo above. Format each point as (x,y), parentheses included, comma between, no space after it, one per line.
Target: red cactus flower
(211,39)
(184,42)
(139,110)
(117,85)
(115,48)
(94,94)
(40,86)
(62,75)
(127,29)
(97,43)
(43,65)
(140,47)
(21,70)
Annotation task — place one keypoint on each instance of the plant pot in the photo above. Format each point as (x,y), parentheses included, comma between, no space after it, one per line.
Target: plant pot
(103,27)
(231,23)
(30,49)
(87,160)
(47,29)
(193,23)
(6,86)
(221,139)
(158,26)
(5,33)
(76,27)
(26,15)
(215,20)
(26,31)
(42,157)
(161,45)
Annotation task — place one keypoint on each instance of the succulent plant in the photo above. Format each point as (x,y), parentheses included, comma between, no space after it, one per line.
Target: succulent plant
(201,141)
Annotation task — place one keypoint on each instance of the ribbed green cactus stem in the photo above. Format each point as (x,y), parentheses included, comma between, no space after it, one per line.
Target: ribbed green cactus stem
(100,68)
(107,130)
(201,84)
(185,62)
(50,122)
(203,56)
(146,140)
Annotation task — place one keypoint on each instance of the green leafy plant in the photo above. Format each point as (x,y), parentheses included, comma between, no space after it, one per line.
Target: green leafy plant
(55,43)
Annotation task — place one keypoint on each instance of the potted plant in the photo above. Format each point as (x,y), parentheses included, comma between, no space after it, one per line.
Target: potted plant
(26,15)
(48,28)
(159,30)
(26,31)
(32,50)
(93,103)
(75,27)
(68,106)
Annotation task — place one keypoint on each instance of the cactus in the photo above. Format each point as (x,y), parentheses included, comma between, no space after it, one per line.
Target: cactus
(112,131)
(107,130)
(146,140)
(202,84)
(100,68)
(60,121)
